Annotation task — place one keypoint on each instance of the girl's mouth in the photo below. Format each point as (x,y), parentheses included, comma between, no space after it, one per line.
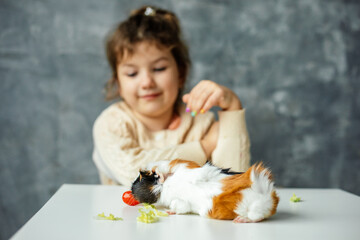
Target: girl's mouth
(150,96)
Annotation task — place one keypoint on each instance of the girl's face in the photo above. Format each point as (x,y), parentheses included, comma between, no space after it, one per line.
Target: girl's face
(149,81)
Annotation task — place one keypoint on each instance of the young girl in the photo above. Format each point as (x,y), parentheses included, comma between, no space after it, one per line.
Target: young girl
(149,63)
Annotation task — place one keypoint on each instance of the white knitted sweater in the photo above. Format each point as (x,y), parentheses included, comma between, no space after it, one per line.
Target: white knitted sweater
(123,145)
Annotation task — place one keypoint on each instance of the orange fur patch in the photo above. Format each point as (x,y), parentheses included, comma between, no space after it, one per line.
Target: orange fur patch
(276,200)
(225,203)
(189,164)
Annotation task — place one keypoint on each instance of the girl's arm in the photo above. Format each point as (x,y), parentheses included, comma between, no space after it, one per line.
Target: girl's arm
(233,145)
(228,143)
(118,155)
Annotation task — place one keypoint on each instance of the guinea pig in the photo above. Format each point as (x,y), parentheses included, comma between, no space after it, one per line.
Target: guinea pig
(186,187)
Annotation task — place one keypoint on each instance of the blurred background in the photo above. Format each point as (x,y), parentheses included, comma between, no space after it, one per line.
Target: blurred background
(294,64)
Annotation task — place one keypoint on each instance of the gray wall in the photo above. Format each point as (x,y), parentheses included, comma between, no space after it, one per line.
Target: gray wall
(294,64)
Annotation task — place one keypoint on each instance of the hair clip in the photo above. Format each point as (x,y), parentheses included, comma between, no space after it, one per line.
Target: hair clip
(150,11)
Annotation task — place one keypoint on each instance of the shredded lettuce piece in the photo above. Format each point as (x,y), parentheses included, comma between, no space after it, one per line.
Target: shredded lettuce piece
(149,214)
(158,213)
(161,214)
(295,198)
(101,216)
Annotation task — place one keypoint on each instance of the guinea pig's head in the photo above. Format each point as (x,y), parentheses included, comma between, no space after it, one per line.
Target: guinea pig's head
(144,188)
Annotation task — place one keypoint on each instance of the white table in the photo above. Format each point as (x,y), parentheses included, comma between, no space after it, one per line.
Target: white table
(324,214)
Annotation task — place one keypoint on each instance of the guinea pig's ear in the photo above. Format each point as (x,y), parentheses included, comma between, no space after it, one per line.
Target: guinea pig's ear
(142,174)
(160,175)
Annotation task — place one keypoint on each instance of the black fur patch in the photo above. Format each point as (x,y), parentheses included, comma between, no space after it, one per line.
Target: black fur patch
(228,172)
(142,186)
(225,170)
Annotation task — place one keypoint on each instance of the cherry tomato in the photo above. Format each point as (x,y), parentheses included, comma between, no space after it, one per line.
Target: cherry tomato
(129,199)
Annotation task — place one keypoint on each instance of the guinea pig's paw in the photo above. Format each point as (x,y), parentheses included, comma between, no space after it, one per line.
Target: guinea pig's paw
(240,219)
(179,206)
(170,212)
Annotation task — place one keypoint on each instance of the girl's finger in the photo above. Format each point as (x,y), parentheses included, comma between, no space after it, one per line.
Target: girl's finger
(185,98)
(199,95)
(190,99)
(212,100)
(188,102)
(210,96)
(200,100)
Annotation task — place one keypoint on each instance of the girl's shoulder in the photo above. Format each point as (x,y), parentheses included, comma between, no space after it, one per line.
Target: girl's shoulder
(118,110)
(115,116)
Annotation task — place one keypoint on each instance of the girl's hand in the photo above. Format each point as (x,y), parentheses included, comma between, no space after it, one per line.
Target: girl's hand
(207,94)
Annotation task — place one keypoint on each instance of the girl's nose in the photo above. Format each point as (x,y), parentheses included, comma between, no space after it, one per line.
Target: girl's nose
(147,80)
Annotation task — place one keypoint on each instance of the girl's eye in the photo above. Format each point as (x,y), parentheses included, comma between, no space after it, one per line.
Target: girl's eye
(159,69)
(131,74)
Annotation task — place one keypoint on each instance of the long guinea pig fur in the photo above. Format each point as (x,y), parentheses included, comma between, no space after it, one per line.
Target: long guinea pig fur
(185,187)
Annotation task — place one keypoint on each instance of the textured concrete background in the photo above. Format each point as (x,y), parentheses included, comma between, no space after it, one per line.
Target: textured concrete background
(294,64)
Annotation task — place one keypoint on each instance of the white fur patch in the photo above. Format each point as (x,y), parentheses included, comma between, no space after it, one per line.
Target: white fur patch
(257,201)
(191,190)
(161,166)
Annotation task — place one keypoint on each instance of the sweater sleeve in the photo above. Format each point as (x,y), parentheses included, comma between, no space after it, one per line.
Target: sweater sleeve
(233,146)
(118,156)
